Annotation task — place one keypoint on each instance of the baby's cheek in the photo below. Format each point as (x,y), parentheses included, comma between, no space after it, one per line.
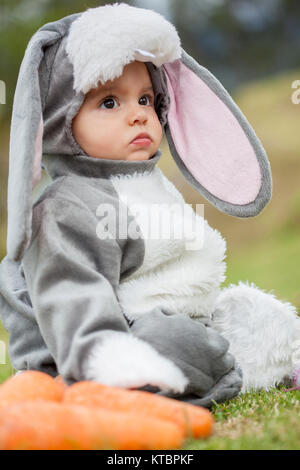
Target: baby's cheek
(159,132)
(109,145)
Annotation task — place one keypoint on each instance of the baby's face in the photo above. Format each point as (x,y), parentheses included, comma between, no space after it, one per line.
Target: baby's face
(115,113)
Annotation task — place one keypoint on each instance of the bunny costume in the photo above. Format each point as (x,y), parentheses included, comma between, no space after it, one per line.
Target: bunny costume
(134,311)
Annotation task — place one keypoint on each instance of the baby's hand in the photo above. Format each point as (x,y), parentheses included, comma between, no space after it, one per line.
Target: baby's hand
(199,351)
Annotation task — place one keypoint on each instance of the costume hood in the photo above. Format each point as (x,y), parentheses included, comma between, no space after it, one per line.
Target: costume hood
(210,139)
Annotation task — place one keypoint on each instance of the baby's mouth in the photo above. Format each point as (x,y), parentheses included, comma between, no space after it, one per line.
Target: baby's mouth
(143,140)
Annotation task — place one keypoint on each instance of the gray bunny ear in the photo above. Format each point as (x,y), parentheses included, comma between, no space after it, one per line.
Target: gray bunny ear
(212,143)
(26,135)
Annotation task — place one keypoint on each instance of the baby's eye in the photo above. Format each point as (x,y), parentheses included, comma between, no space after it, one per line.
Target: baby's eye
(109,103)
(146,100)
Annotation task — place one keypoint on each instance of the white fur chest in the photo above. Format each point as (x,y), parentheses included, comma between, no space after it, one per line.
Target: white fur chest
(172,275)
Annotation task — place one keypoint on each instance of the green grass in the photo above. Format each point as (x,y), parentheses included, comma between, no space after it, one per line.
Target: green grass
(255,421)
(271,264)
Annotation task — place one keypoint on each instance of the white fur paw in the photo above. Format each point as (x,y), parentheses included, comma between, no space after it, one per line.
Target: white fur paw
(263,332)
(122,360)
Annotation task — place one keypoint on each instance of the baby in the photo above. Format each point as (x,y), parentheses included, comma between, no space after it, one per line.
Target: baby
(82,299)
(89,293)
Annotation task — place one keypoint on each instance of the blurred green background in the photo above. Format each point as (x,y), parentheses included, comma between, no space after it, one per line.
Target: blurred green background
(253,48)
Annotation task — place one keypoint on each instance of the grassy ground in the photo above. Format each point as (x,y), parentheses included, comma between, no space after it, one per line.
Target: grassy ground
(255,421)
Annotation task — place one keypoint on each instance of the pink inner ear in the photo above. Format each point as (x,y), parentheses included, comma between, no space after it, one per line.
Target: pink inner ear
(38,151)
(209,139)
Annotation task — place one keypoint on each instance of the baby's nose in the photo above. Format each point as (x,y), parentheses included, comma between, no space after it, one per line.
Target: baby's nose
(137,114)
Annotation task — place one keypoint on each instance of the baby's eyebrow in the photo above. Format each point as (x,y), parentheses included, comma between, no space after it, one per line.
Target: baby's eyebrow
(109,89)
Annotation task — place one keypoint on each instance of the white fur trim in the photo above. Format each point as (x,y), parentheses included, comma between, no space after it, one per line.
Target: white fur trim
(171,277)
(104,39)
(122,360)
(263,333)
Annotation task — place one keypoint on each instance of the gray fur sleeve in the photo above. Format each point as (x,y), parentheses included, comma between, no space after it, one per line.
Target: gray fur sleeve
(71,276)
(200,352)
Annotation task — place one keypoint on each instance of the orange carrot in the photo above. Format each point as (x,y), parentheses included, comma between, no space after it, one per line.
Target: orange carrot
(60,380)
(194,420)
(34,425)
(30,385)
